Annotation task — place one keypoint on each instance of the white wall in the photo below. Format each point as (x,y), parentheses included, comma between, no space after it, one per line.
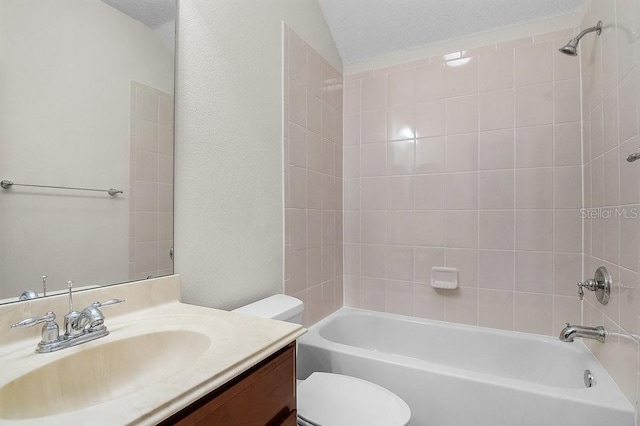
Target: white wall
(64,120)
(229,202)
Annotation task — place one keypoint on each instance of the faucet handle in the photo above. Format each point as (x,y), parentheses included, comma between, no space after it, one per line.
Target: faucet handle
(589,284)
(48,317)
(107,303)
(580,293)
(50,330)
(92,316)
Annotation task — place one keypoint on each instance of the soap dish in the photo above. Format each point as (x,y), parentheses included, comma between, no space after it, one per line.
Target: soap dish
(445,278)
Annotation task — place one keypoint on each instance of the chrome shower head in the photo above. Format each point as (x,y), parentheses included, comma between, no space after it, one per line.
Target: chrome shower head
(571,48)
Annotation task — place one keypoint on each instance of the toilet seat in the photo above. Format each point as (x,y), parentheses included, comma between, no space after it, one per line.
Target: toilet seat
(327,399)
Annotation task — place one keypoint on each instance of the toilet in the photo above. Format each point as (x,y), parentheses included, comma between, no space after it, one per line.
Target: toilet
(328,399)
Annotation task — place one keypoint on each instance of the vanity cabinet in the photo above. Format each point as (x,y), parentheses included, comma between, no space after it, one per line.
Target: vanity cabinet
(264,395)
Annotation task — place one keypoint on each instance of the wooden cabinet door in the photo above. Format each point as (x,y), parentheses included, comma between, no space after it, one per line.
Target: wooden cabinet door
(292,420)
(265,395)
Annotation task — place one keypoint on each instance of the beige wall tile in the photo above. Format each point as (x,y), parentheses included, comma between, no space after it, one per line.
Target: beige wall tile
(534,230)
(534,188)
(430,119)
(462,114)
(496,190)
(428,302)
(461,306)
(496,110)
(400,190)
(496,229)
(534,272)
(461,77)
(496,269)
(496,71)
(430,82)
(462,153)
(430,228)
(495,309)
(462,229)
(373,294)
(462,191)
(400,157)
(534,105)
(401,87)
(495,149)
(534,146)
(147,104)
(430,155)
(400,265)
(533,313)
(533,64)
(374,92)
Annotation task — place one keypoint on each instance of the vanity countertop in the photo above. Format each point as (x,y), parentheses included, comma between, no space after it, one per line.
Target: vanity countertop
(235,343)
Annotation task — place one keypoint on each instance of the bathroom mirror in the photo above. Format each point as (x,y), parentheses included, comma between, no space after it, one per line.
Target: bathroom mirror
(86,106)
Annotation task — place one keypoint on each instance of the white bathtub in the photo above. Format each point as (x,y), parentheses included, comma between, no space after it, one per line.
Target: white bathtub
(457,375)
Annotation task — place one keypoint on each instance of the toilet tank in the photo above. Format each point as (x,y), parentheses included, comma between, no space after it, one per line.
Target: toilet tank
(279,307)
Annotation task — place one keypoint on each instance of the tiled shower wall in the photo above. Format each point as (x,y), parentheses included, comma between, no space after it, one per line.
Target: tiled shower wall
(610,74)
(150,182)
(312,130)
(470,161)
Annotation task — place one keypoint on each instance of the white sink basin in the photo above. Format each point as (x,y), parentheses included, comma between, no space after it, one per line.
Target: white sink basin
(160,356)
(100,373)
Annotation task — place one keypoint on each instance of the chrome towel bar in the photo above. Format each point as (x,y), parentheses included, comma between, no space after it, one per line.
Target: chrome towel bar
(6,184)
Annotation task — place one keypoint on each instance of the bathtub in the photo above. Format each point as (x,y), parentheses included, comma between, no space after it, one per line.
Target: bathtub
(458,375)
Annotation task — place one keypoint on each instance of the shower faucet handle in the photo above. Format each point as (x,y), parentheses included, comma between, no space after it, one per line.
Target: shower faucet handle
(580,293)
(589,284)
(600,284)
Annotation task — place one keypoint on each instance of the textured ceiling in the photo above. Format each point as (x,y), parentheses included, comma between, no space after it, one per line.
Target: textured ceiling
(365,29)
(152,13)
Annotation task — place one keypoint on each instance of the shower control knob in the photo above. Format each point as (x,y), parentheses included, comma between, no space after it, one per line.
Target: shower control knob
(600,284)
(633,157)
(580,293)
(589,284)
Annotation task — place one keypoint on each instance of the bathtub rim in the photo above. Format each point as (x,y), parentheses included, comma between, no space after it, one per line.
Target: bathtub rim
(605,393)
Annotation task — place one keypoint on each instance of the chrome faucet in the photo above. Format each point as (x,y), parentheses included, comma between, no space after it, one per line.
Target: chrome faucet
(91,318)
(31,294)
(570,332)
(80,327)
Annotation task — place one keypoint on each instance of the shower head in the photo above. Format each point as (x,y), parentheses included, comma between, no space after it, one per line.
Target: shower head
(571,48)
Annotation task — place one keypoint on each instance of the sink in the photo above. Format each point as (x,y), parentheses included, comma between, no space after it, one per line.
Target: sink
(161,356)
(101,373)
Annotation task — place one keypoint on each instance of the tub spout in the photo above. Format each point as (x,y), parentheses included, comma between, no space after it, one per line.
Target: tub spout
(570,332)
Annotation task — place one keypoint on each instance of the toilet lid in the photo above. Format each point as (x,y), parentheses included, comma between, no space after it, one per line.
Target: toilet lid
(327,399)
